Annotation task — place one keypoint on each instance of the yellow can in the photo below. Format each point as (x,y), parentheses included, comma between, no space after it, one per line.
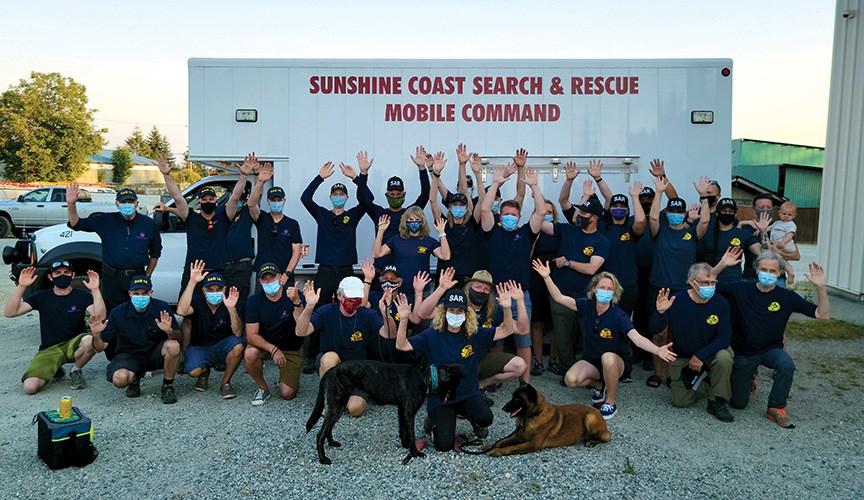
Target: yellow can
(66,407)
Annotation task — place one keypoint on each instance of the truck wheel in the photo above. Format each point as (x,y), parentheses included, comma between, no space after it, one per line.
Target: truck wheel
(5,227)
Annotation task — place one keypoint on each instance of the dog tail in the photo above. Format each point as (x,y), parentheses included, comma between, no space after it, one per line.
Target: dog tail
(596,426)
(318,410)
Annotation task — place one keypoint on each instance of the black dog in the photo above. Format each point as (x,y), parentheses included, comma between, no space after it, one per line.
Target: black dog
(405,386)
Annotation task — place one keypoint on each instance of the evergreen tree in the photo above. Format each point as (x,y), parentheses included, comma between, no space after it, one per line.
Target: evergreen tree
(122,165)
(137,144)
(159,146)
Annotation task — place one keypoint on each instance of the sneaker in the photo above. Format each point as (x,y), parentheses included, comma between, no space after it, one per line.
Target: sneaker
(719,409)
(60,374)
(227,392)
(536,368)
(779,416)
(133,390)
(261,395)
(598,395)
(308,366)
(77,379)
(480,432)
(169,397)
(203,382)
(608,411)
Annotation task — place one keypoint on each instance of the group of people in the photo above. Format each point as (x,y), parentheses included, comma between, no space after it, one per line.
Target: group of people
(619,279)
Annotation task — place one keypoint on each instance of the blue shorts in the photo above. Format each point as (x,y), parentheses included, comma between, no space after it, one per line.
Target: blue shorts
(211,356)
(518,339)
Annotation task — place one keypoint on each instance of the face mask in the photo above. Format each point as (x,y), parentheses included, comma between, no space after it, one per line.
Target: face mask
(706,292)
(395,201)
(712,200)
(140,302)
(675,219)
(389,285)
(478,298)
(62,281)
(509,222)
(214,298)
(495,205)
(583,221)
(339,201)
(277,206)
(414,225)
(271,288)
(646,207)
(604,296)
(127,209)
(351,305)
(548,218)
(767,279)
(766,212)
(208,208)
(618,213)
(726,219)
(458,211)
(239,205)
(455,320)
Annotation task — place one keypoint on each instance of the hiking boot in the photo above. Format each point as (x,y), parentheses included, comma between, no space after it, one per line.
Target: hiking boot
(308,366)
(608,411)
(169,397)
(536,368)
(203,382)
(59,375)
(261,395)
(77,380)
(719,409)
(480,432)
(133,390)
(227,392)
(598,395)
(779,416)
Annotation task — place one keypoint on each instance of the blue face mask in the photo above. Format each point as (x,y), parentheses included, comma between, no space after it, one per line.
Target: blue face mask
(414,225)
(140,302)
(604,296)
(276,206)
(675,219)
(706,292)
(548,218)
(495,205)
(458,211)
(271,288)
(338,201)
(618,213)
(239,205)
(127,209)
(509,222)
(214,298)
(767,279)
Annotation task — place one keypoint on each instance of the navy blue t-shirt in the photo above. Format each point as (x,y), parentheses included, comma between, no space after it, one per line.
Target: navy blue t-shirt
(61,317)
(203,243)
(510,254)
(240,244)
(275,320)
(734,237)
(604,333)
(493,321)
(468,249)
(346,336)
(208,327)
(700,329)
(444,348)
(336,240)
(275,240)
(136,332)
(375,297)
(674,253)
(577,246)
(125,244)
(622,251)
(762,316)
(411,255)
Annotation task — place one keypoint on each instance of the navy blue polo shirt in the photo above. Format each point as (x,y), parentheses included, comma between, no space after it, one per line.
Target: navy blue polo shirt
(61,317)
(207,244)
(762,317)
(622,251)
(336,240)
(604,333)
(674,253)
(346,336)
(510,254)
(577,246)
(275,320)
(240,244)
(443,348)
(734,237)
(468,249)
(134,332)
(411,255)
(275,240)
(209,327)
(125,244)
(697,329)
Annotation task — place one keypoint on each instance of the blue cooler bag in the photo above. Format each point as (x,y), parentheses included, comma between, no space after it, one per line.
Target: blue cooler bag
(65,442)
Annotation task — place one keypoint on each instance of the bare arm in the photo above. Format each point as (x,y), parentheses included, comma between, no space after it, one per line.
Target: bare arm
(506,328)
(595,170)
(654,216)
(536,221)
(639,220)
(16,306)
(92,284)
(442,252)
(570,174)
(379,249)
(705,209)
(304,323)
(663,352)
(173,188)
(71,203)
(542,268)
(520,159)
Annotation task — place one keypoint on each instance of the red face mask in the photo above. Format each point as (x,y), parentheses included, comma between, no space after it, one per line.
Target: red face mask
(351,305)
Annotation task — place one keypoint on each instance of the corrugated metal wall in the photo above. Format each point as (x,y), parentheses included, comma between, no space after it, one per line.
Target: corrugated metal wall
(803,186)
(747,152)
(841,237)
(767,176)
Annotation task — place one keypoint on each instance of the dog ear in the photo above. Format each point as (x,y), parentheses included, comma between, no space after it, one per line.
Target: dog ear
(531,392)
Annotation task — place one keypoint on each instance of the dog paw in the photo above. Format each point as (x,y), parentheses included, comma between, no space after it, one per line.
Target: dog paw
(326,461)
(334,444)
(590,444)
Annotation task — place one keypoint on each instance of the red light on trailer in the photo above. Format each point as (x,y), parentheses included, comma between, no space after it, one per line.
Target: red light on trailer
(725,71)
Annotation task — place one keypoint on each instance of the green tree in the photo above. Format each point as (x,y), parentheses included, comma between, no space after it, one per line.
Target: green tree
(137,144)
(159,146)
(123,164)
(46,130)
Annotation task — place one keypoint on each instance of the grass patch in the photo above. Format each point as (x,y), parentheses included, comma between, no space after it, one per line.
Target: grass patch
(832,329)
(628,467)
(841,373)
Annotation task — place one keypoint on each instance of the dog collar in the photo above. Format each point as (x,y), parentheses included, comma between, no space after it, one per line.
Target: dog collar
(433,378)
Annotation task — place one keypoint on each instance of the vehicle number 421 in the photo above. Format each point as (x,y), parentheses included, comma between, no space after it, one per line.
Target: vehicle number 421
(66,234)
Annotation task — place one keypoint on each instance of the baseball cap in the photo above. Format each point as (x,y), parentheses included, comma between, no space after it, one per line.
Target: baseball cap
(676,205)
(691,378)
(390,269)
(351,287)
(338,187)
(458,198)
(275,192)
(647,191)
(483,276)
(60,263)
(140,282)
(395,183)
(727,203)
(214,279)
(268,268)
(204,191)
(618,198)
(591,206)
(126,194)
(455,298)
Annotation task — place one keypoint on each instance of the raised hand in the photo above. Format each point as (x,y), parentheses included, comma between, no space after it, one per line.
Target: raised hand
(693,212)
(438,162)
(27,276)
(403,307)
(196,271)
(521,157)
(445,278)
(665,353)
(283,278)
(364,162)
(702,186)
(504,298)
(162,163)
(368,269)
(595,169)
(635,189)
(347,170)
(664,302)
(816,275)
(462,153)
(293,293)
(164,321)
(420,281)
(441,225)
(265,172)
(311,294)
(233,297)
(531,177)
(326,170)
(97,324)
(515,289)
(541,268)
(657,168)
(92,282)
(72,193)
(660,184)
(588,188)
(732,256)
(386,299)
(763,222)
(570,170)
(383,222)
(476,163)
(419,158)
(250,164)
(559,261)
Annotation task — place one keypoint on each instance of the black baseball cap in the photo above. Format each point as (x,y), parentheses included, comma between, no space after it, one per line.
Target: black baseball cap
(140,282)
(647,191)
(126,194)
(591,206)
(455,298)
(395,183)
(619,198)
(214,279)
(458,198)
(727,203)
(204,191)
(390,269)
(268,268)
(676,205)
(338,187)
(275,192)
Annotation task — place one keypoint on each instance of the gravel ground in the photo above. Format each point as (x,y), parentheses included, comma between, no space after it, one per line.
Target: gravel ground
(204,447)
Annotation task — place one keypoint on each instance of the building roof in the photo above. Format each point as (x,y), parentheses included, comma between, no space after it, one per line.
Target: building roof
(104,156)
(748,152)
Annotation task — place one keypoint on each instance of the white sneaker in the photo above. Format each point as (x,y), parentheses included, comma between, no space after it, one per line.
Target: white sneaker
(261,395)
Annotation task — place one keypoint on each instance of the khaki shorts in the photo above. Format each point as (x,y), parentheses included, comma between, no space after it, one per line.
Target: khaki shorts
(492,364)
(289,373)
(47,361)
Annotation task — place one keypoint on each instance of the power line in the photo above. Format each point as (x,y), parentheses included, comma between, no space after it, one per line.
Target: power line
(139,122)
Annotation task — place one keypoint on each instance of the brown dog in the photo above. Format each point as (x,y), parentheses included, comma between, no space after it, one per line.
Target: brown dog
(542,425)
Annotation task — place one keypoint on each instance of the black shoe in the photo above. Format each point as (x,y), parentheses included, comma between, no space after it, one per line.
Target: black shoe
(480,432)
(168,395)
(308,366)
(489,400)
(719,409)
(59,375)
(133,390)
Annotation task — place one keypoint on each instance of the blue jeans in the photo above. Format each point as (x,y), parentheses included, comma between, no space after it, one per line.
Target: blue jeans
(744,367)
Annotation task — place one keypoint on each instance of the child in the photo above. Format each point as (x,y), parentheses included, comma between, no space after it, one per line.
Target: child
(783,231)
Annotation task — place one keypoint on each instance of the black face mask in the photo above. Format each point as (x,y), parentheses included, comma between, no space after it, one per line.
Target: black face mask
(582,221)
(712,200)
(478,298)
(208,208)
(646,206)
(726,219)
(62,281)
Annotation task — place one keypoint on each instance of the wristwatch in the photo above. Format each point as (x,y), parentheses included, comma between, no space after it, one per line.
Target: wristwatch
(566,262)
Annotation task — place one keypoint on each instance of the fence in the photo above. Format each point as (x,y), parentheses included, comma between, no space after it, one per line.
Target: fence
(807,222)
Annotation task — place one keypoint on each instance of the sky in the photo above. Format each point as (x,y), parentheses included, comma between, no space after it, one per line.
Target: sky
(132,56)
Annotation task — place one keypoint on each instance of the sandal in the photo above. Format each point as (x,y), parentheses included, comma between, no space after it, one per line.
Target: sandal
(653,381)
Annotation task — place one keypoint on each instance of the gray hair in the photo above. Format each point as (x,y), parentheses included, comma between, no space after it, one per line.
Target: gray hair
(698,268)
(769,256)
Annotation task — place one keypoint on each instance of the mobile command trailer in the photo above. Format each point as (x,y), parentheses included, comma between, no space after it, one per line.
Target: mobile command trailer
(300,114)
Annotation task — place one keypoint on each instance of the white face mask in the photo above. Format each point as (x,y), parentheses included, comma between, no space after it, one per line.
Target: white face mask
(455,320)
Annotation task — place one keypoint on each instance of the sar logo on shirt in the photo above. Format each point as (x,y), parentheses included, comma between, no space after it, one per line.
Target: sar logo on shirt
(467,351)
(625,237)
(605,333)
(588,251)
(346,219)
(73,309)
(488,323)
(284,314)
(774,306)
(735,242)
(712,320)
(357,337)
(422,250)
(687,237)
